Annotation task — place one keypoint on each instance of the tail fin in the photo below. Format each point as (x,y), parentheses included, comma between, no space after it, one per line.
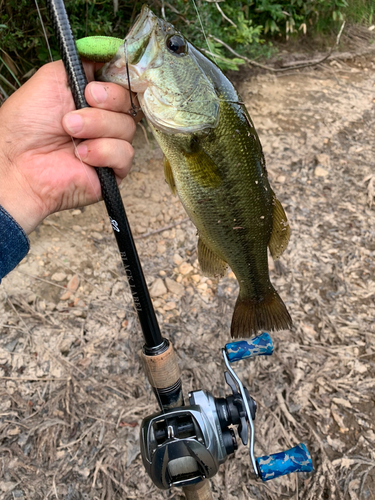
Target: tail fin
(251,315)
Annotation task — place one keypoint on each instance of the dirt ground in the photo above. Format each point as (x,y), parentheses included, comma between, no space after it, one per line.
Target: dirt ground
(73,393)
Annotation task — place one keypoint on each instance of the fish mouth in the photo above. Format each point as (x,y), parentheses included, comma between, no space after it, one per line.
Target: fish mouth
(139,52)
(141,46)
(143,26)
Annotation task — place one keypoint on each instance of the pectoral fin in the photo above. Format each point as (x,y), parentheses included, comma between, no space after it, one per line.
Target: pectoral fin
(168,174)
(203,169)
(98,48)
(210,263)
(280,230)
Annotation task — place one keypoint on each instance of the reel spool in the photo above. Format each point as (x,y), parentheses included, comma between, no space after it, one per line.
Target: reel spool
(185,445)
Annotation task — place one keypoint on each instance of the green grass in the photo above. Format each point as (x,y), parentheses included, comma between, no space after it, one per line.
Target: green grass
(360,12)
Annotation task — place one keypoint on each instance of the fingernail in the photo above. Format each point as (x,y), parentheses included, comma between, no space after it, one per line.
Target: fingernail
(74,122)
(81,151)
(99,92)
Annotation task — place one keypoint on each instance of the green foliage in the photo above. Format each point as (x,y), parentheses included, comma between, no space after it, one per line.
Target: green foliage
(299,15)
(248,26)
(361,11)
(23,47)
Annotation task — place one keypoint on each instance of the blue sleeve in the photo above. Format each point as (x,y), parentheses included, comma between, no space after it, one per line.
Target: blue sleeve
(14,244)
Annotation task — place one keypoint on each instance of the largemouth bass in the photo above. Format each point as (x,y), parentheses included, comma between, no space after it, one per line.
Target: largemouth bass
(213,160)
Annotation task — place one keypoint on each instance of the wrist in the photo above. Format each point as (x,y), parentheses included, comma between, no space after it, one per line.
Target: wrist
(19,215)
(14,199)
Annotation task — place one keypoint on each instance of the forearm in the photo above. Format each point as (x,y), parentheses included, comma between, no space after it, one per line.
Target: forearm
(14,243)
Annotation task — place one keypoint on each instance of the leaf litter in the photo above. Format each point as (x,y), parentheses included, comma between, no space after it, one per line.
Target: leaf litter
(73,393)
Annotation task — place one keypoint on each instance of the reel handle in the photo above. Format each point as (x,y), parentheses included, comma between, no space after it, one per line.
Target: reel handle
(295,459)
(257,346)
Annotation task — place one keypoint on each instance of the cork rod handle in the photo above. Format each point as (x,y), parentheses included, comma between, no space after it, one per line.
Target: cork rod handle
(200,491)
(162,372)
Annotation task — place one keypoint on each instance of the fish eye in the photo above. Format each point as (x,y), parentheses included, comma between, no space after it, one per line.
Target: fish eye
(177,45)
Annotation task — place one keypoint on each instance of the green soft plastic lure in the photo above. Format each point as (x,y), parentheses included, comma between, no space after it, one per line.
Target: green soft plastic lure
(99,48)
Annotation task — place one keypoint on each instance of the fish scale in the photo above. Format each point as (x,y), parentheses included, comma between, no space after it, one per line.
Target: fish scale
(231,201)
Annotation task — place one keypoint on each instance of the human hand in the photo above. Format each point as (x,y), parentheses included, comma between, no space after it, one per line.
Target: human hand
(40,172)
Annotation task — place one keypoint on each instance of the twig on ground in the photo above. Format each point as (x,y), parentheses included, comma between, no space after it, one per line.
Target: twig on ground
(285,411)
(266,487)
(19,317)
(165,228)
(287,435)
(83,435)
(291,65)
(45,281)
(174,10)
(327,470)
(97,468)
(215,56)
(224,16)
(370,189)
(36,379)
(104,469)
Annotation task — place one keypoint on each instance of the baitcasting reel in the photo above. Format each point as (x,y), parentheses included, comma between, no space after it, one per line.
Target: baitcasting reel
(185,445)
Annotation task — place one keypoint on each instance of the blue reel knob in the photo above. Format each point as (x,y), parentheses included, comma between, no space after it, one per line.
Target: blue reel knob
(258,346)
(296,459)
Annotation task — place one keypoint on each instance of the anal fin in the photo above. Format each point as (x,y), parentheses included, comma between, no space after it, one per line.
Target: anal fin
(280,230)
(210,263)
(168,174)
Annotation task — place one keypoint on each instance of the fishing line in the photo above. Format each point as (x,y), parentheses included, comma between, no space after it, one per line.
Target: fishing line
(203,31)
(44,30)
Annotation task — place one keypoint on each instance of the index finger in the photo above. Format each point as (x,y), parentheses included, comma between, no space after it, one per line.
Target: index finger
(111,97)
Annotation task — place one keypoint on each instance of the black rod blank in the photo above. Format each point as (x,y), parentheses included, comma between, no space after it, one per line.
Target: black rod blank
(110,192)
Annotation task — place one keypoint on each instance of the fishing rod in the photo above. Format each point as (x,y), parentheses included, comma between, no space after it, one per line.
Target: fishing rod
(181,445)
(158,356)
